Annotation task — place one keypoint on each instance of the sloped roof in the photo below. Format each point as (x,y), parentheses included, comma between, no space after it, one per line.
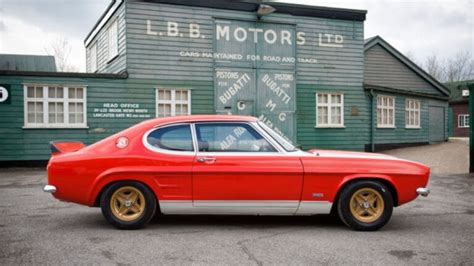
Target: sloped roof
(377,40)
(19,62)
(456,90)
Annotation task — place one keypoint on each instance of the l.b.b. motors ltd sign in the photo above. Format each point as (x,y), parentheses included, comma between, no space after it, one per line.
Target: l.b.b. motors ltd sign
(224,31)
(247,42)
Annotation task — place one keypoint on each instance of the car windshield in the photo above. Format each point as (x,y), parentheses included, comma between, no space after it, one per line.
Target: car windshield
(277,137)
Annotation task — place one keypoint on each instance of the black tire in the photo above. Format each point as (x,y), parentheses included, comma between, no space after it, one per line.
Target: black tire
(144,217)
(344,207)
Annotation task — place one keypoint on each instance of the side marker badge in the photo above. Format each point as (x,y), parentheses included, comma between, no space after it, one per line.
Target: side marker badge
(121,142)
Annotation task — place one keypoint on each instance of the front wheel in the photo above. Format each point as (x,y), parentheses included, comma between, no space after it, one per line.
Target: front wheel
(128,204)
(365,205)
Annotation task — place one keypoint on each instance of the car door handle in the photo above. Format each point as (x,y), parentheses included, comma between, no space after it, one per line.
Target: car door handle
(206,159)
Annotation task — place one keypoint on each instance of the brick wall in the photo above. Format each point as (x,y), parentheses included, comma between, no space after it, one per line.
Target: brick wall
(460,108)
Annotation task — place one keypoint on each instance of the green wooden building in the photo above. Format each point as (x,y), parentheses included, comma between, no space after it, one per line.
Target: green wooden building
(298,68)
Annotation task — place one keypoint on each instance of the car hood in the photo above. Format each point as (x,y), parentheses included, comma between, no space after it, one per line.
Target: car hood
(350,154)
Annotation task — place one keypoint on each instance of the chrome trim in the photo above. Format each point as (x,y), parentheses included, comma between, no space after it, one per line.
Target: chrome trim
(49,189)
(228,207)
(314,207)
(423,191)
(245,207)
(159,150)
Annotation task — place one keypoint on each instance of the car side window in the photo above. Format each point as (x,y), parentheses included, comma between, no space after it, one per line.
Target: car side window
(173,138)
(230,137)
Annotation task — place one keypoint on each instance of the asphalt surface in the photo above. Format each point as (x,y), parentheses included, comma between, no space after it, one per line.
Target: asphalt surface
(37,229)
(445,158)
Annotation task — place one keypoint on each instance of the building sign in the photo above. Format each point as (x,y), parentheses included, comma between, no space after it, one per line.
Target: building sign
(248,43)
(254,64)
(121,110)
(225,30)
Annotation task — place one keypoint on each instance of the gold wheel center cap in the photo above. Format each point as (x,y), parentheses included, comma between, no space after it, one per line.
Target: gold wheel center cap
(128,203)
(366,205)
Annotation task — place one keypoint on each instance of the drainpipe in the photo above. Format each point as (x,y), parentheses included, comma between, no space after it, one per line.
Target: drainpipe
(471,133)
(372,121)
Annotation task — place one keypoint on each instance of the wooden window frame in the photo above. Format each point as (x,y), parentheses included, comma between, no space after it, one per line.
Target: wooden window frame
(45,100)
(112,36)
(412,113)
(173,102)
(387,107)
(464,118)
(93,66)
(329,106)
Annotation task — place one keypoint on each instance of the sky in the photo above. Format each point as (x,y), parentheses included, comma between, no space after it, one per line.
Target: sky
(418,27)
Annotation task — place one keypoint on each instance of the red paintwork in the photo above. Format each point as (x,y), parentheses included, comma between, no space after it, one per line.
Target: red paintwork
(81,175)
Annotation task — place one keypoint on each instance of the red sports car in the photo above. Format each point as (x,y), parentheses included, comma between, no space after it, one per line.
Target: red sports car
(215,164)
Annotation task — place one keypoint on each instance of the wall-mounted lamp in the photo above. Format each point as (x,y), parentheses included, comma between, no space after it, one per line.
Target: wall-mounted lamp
(264,10)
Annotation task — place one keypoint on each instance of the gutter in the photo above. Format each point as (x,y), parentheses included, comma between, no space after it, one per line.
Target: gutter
(122,75)
(404,92)
(372,120)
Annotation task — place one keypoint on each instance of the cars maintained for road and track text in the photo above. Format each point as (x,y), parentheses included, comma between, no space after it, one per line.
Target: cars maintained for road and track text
(227,165)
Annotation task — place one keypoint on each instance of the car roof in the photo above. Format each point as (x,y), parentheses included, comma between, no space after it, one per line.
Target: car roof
(202,118)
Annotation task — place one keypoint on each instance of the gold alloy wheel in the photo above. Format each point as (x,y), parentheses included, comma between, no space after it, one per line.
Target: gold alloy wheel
(127,203)
(367,205)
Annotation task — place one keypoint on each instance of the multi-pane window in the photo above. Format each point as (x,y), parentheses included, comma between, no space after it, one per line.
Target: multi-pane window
(54,106)
(412,113)
(385,111)
(76,105)
(173,102)
(113,39)
(463,120)
(93,57)
(330,110)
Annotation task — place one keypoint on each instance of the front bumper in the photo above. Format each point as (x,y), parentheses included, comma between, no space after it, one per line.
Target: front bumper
(49,189)
(423,191)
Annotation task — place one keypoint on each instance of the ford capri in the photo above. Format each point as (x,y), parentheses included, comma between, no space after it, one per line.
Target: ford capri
(227,165)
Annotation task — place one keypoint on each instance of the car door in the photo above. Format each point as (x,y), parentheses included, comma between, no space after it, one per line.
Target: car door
(238,170)
(172,152)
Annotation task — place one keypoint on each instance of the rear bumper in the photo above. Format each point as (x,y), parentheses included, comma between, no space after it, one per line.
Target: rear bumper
(423,191)
(49,189)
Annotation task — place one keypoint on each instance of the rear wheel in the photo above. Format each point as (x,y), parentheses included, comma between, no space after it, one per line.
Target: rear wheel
(128,205)
(365,205)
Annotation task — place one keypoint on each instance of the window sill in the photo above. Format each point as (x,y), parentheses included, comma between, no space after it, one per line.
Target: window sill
(112,59)
(412,127)
(386,127)
(329,126)
(55,127)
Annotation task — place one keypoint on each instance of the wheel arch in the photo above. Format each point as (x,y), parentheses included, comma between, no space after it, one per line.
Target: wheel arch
(105,180)
(382,179)
(99,195)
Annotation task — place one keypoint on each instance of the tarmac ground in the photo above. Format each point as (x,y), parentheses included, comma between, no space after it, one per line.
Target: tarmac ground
(37,229)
